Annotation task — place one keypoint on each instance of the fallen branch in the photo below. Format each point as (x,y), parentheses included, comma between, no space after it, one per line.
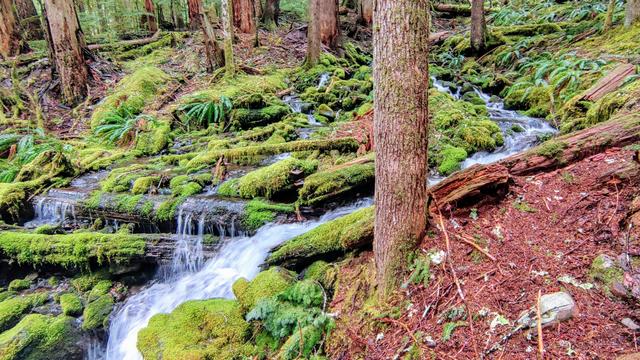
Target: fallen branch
(476,246)
(136,42)
(539,326)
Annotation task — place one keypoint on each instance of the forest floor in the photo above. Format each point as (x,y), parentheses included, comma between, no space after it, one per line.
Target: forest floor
(544,236)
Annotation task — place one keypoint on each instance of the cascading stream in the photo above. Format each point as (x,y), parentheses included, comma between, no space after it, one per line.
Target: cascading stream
(239,256)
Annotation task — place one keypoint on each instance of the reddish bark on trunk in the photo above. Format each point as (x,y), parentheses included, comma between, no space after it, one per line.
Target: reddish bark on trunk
(11,43)
(67,44)
(329,23)
(243,16)
(152,24)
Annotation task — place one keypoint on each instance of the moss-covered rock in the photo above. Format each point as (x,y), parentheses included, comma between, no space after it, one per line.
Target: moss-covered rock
(133,93)
(334,237)
(258,212)
(333,183)
(12,309)
(250,118)
(142,185)
(71,304)
(606,270)
(96,314)
(274,179)
(154,140)
(71,250)
(39,337)
(209,329)
(451,158)
(19,284)
(264,285)
(101,288)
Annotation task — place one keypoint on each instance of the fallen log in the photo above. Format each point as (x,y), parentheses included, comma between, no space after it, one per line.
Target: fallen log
(439,37)
(528,30)
(465,187)
(127,43)
(457,10)
(611,82)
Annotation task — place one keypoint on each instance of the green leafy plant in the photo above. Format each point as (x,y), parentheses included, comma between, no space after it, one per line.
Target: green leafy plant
(202,111)
(122,127)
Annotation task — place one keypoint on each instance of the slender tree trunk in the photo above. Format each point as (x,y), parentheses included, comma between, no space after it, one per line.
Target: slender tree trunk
(11,42)
(632,13)
(365,12)
(243,17)
(608,21)
(478,26)
(401,123)
(213,51)
(67,43)
(329,23)
(257,9)
(226,14)
(313,35)
(29,20)
(150,9)
(195,14)
(270,14)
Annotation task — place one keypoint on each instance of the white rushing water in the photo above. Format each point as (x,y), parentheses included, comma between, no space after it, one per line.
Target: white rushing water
(238,257)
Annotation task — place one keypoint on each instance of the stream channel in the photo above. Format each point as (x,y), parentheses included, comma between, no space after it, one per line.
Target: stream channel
(193,273)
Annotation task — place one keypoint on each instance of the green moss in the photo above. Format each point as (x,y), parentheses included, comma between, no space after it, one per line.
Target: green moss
(274,179)
(96,314)
(101,288)
(133,93)
(451,159)
(211,157)
(14,195)
(142,185)
(155,140)
(19,284)
(41,337)
(167,209)
(332,183)
(250,118)
(72,250)
(48,229)
(12,309)
(264,285)
(209,329)
(606,270)
(337,236)
(229,188)
(71,304)
(258,213)
(524,206)
(243,84)
(126,203)
(84,283)
(551,149)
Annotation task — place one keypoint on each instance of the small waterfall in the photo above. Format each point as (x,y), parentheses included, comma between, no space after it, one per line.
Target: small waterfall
(52,211)
(188,255)
(95,350)
(239,256)
(324,79)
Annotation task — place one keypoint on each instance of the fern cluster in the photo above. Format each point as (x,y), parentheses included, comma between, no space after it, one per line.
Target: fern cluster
(201,111)
(122,126)
(295,316)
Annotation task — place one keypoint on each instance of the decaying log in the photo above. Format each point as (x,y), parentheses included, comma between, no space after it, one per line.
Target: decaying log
(456,10)
(438,37)
(128,43)
(465,186)
(475,181)
(609,83)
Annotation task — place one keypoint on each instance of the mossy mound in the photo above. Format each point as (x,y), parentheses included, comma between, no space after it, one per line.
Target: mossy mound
(39,337)
(450,159)
(274,179)
(210,329)
(258,212)
(330,184)
(155,139)
(133,93)
(71,250)
(13,308)
(334,237)
(264,285)
(241,85)
(19,284)
(71,304)
(13,197)
(96,314)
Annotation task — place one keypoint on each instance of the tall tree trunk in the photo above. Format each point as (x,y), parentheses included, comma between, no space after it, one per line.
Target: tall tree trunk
(29,20)
(270,14)
(632,13)
(608,21)
(313,34)
(213,51)
(329,23)
(257,4)
(365,12)
(226,14)
(243,17)
(11,42)
(195,13)
(67,43)
(401,123)
(478,26)
(150,10)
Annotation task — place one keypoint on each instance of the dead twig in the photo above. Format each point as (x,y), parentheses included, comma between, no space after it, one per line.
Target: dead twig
(539,326)
(467,241)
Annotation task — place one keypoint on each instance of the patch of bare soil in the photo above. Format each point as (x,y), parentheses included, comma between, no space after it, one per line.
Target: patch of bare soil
(548,229)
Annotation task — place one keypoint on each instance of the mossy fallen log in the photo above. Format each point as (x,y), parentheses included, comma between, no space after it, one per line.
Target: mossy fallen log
(528,30)
(332,238)
(457,10)
(126,43)
(211,157)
